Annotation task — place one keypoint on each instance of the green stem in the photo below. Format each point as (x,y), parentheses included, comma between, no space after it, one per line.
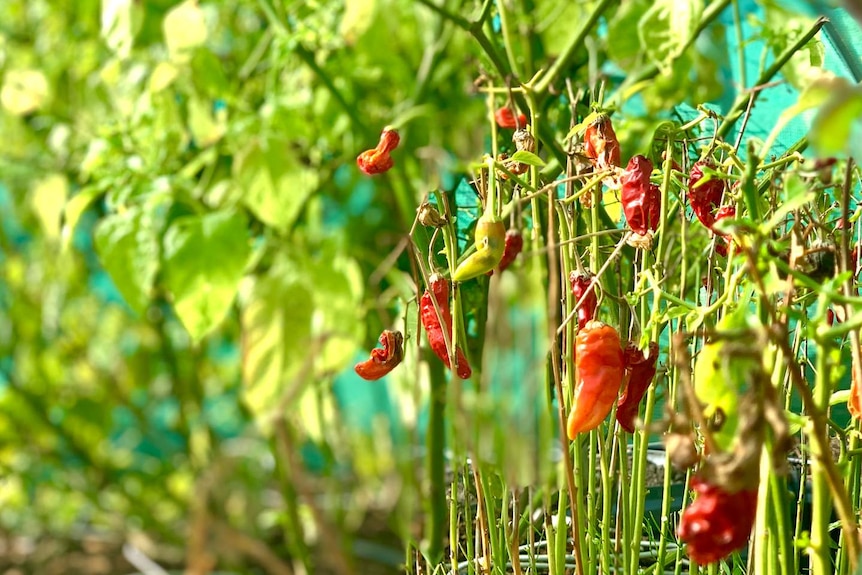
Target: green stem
(821,504)
(575,42)
(742,101)
(436,444)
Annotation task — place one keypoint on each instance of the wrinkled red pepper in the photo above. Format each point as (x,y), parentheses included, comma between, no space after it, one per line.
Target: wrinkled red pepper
(599,361)
(601,144)
(722,247)
(505,118)
(513,247)
(717,523)
(440,288)
(640,370)
(582,284)
(378,160)
(384,360)
(706,197)
(641,199)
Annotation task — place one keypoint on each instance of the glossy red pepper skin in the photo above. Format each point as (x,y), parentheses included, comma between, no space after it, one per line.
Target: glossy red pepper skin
(505,118)
(705,198)
(600,368)
(641,199)
(640,371)
(722,247)
(440,289)
(513,247)
(854,402)
(581,284)
(382,360)
(378,160)
(717,523)
(601,144)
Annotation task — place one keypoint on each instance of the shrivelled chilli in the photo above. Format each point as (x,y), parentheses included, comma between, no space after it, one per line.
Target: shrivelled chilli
(600,368)
(382,360)
(704,197)
(585,293)
(640,372)
(439,287)
(717,522)
(601,144)
(641,199)
(378,160)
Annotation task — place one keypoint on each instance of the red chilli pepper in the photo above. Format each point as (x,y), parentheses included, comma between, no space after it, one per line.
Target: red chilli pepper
(641,371)
(378,160)
(717,523)
(706,197)
(505,118)
(641,199)
(384,360)
(581,282)
(601,144)
(440,289)
(854,402)
(721,248)
(514,245)
(599,361)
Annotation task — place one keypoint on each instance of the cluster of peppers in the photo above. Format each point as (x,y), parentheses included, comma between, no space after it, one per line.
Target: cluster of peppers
(719,521)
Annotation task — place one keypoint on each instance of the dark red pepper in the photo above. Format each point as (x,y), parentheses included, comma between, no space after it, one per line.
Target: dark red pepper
(706,197)
(722,247)
(505,118)
(717,523)
(641,199)
(428,315)
(384,360)
(513,247)
(581,284)
(599,361)
(601,144)
(378,160)
(640,370)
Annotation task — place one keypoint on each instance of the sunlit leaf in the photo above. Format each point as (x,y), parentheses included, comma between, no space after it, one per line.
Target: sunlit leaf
(185,29)
(274,184)
(205,257)
(665,28)
(48,199)
(129,250)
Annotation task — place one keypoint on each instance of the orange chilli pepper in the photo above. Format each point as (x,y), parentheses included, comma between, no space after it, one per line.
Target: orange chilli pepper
(378,160)
(384,360)
(601,368)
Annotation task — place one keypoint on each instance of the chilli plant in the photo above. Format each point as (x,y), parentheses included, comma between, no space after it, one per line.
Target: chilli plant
(619,330)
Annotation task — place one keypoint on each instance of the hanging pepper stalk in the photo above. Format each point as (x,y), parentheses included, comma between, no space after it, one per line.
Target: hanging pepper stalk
(489,237)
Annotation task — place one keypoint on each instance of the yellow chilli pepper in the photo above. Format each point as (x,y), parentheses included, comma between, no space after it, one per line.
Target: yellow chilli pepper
(490,242)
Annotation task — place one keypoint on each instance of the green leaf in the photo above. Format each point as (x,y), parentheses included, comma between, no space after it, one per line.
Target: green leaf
(529,158)
(276,327)
(301,319)
(274,184)
(129,249)
(47,198)
(837,127)
(205,257)
(664,29)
